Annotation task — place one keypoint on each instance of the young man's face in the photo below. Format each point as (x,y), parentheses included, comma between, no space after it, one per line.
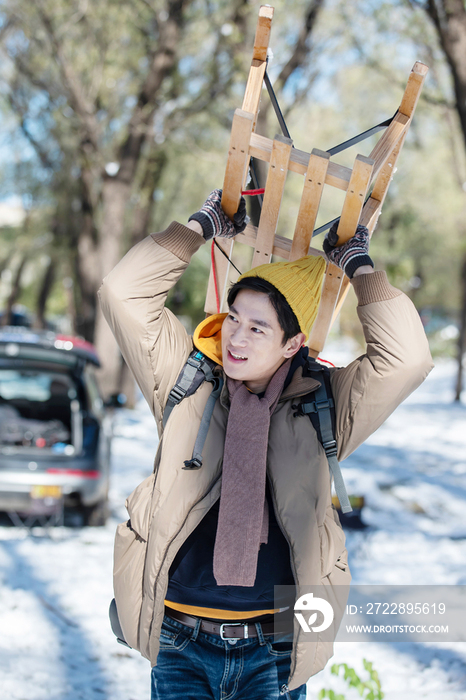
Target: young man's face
(252,341)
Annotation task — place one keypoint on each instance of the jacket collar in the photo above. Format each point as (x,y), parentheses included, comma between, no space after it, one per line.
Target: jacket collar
(299,386)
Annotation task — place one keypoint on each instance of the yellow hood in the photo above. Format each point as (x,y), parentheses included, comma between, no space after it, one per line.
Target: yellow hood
(208,337)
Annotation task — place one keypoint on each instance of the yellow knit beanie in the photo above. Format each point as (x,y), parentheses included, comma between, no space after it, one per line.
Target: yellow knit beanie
(300,282)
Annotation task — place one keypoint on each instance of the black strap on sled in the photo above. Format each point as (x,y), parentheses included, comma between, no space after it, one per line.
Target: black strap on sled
(320,408)
(198,368)
(331,151)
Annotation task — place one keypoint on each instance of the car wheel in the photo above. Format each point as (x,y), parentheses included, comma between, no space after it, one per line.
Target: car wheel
(96,515)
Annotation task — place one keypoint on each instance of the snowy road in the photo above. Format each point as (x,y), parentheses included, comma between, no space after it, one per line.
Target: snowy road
(55,640)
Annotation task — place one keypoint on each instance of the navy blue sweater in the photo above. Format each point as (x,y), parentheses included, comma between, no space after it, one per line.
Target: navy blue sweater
(192,579)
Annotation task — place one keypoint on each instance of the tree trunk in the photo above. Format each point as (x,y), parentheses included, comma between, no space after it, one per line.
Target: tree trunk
(6,319)
(115,196)
(44,293)
(116,190)
(68,284)
(462,334)
(87,274)
(449,18)
(156,162)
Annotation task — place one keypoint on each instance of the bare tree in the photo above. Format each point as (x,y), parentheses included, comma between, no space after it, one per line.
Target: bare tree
(98,143)
(449,19)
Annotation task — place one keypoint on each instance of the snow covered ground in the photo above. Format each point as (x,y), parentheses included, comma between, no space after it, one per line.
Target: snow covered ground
(55,587)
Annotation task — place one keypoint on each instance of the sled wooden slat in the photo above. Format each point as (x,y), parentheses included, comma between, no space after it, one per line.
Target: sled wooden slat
(413,89)
(222,268)
(274,188)
(262,37)
(373,206)
(318,171)
(337,175)
(324,320)
(370,213)
(350,215)
(254,85)
(314,181)
(387,143)
(408,105)
(385,176)
(254,88)
(238,159)
(386,156)
(281,247)
(369,217)
(354,200)
(244,123)
(342,294)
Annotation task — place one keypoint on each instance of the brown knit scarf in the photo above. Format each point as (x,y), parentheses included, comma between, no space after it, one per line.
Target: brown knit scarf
(243,515)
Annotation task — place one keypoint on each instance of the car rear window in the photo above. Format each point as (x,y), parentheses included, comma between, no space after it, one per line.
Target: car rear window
(36,407)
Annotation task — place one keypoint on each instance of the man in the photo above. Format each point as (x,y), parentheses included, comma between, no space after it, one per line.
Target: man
(196,564)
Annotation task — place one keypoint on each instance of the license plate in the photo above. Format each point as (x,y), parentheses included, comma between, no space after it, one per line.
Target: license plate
(38,491)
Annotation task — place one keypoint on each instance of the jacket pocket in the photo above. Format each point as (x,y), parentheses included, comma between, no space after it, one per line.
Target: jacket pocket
(336,575)
(332,542)
(129,559)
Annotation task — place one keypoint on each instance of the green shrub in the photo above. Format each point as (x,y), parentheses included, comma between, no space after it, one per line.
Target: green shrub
(369,689)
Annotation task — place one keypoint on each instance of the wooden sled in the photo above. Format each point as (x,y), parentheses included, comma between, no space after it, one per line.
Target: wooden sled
(369,175)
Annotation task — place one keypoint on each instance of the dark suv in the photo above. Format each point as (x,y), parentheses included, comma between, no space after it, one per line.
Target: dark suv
(55,435)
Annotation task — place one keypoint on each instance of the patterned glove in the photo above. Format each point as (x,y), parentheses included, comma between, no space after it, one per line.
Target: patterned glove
(215,222)
(350,255)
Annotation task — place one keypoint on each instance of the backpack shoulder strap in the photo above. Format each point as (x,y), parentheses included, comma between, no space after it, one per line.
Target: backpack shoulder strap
(320,407)
(196,460)
(198,369)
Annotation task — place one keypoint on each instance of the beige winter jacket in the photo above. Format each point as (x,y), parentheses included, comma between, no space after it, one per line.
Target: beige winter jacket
(170,503)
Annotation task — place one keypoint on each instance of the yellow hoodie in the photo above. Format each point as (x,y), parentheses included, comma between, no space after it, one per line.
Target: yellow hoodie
(208,337)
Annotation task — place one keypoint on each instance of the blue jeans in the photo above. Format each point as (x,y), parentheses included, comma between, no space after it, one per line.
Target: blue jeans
(193,665)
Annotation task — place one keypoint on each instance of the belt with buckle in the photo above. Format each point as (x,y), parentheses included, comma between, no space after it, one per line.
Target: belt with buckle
(225,630)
